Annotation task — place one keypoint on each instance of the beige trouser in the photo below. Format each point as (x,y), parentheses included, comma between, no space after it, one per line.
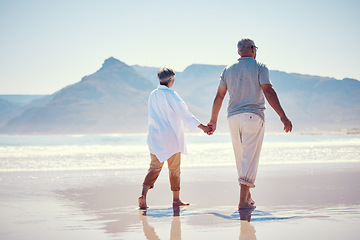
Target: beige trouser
(155,169)
(247,134)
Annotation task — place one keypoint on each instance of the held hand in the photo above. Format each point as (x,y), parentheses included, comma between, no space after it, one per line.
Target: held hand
(287,124)
(213,127)
(207,129)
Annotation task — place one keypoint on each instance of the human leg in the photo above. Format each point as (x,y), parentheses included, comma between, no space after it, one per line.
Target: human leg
(244,202)
(174,176)
(177,201)
(150,178)
(235,127)
(250,200)
(174,171)
(252,136)
(142,198)
(247,133)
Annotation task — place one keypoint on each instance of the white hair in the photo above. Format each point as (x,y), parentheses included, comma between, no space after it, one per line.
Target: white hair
(164,74)
(245,44)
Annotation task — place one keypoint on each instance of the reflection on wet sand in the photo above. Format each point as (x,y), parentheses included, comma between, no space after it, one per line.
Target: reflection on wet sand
(175,232)
(247,231)
(149,231)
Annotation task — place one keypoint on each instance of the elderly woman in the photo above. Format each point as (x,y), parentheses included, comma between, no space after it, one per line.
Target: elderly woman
(167,113)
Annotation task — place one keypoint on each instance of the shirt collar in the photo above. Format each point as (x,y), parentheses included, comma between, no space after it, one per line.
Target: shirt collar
(245,58)
(162,87)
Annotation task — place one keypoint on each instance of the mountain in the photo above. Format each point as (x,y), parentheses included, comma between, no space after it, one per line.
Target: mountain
(13,105)
(114,100)
(317,103)
(8,110)
(21,98)
(148,72)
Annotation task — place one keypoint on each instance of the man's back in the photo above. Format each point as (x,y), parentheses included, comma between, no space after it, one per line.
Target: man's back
(243,80)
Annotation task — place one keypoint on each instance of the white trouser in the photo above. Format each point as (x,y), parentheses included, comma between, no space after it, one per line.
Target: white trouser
(247,134)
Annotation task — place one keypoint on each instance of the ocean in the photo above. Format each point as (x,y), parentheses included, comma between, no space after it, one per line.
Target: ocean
(116,152)
(86,187)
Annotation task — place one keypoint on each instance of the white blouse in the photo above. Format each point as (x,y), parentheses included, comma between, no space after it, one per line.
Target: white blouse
(167,112)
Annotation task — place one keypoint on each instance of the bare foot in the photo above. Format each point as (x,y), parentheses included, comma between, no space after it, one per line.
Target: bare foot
(250,200)
(180,203)
(246,205)
(142,203)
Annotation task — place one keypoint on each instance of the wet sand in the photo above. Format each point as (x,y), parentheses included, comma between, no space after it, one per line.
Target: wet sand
(319,201)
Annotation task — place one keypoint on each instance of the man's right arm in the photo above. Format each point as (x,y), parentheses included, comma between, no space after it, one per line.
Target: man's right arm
(274,102)
(221,92)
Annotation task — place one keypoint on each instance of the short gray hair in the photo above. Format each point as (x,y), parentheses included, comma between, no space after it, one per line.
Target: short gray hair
(164,74)
(245,44)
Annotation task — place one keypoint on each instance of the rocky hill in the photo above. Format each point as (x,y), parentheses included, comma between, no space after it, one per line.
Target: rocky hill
(114,100)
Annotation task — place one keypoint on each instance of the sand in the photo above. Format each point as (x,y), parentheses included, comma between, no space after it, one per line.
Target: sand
(318,201)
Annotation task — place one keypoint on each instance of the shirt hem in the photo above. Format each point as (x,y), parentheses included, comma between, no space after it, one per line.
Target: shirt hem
(232,114)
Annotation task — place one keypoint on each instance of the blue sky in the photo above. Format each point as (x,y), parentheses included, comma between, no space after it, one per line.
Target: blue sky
(47,45)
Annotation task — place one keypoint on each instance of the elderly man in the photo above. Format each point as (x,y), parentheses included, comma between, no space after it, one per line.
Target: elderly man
(247,81)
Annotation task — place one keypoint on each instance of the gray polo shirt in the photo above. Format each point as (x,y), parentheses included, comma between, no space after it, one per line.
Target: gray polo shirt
(243,80)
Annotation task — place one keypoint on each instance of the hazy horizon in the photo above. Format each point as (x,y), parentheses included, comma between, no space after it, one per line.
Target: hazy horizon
(94,70)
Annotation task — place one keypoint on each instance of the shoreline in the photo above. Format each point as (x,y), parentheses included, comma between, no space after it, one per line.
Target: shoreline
(345,131)
(292,203)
